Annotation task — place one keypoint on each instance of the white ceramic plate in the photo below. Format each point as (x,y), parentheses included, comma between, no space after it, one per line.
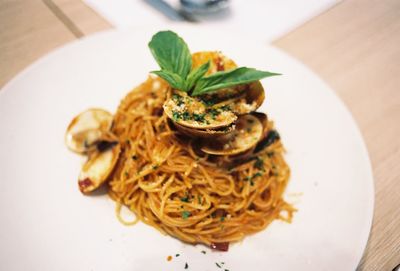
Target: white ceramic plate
(47,224)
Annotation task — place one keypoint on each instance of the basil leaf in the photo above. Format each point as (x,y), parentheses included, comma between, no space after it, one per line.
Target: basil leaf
(230,78)
(173,79)
(171,53)
(195,75)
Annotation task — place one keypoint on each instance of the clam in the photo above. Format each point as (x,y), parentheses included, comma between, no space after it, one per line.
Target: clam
(248,132)
(192,113)
(98,167)
(86,129)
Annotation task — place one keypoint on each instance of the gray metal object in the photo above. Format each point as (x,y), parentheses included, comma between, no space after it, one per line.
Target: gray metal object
(169,11)
(204,6)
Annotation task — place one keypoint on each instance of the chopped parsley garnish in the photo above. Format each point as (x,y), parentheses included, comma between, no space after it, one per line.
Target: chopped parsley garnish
(178,99)
(199,117)
(258,174)
(208,102)
(186,115)
(155,166)
(214,113)
(134,157)
(126,174)
(222,218)
(217,264)
(177,255)
(186,266)
(199,199)
(176,115)
(259,163)
(251,178)
(203,251)
(225,108)
(185,199)
(185,214)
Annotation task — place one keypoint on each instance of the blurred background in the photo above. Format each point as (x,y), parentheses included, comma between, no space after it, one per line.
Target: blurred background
(354,45)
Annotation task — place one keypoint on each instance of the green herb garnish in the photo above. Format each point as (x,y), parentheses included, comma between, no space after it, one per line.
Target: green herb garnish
(225,108)
(176,115)
(186,115)
(174,58)
(185,199)
(259,163)
(209,101)
(185,214)
(178,99)
(214,113)
(199,117)
(186,266)
(258,174)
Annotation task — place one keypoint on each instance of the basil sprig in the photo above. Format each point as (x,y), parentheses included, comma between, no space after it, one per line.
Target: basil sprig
(174,58)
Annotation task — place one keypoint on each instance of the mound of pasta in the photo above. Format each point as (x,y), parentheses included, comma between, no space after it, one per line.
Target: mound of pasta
(163,178)
(187,152)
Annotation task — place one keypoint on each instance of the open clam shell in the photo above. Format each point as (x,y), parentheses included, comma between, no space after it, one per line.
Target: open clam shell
(248,132)
(192,113)
(86,129)
(217,110)
(98,167)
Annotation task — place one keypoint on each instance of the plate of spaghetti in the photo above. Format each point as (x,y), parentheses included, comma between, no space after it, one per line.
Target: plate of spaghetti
(166,150)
